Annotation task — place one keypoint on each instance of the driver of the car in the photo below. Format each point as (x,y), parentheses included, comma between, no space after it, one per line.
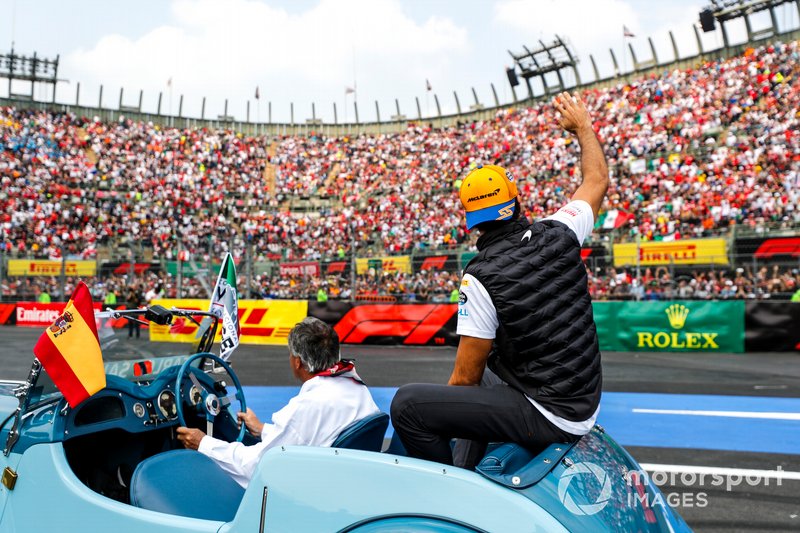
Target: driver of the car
(332,396)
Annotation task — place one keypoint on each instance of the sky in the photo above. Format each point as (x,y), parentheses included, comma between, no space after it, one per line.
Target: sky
(307,52)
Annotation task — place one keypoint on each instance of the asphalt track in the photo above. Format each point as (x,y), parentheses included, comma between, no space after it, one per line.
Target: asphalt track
(687,416)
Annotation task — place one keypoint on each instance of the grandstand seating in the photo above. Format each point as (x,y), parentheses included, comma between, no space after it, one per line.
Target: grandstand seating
(692,153)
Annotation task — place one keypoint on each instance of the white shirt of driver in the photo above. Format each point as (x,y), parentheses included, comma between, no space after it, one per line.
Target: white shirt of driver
(324,406)
(477,316)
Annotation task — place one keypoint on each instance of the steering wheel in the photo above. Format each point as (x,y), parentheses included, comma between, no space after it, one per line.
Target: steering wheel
(209,403)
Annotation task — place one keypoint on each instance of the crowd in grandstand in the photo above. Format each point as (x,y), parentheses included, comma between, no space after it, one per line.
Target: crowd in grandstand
(431,286)
(691,152)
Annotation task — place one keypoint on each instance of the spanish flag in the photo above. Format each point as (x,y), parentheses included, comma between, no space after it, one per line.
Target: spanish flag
(69,350)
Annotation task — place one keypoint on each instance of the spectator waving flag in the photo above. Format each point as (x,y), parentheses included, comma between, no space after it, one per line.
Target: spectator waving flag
(613,219)
(70,352)
(225,304)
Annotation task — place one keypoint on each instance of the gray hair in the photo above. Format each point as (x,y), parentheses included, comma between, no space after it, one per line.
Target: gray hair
(315,343)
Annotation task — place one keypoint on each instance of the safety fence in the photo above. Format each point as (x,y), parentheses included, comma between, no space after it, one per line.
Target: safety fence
(684,326)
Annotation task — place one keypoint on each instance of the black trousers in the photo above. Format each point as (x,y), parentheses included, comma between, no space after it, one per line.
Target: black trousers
(133,327)
(426,417)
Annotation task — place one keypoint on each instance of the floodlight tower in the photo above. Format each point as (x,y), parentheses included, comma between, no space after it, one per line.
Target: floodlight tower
(553,57)
(724,10)
(31,69)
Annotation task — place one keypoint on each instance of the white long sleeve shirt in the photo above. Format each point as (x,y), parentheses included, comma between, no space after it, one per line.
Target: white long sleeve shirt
(321,410)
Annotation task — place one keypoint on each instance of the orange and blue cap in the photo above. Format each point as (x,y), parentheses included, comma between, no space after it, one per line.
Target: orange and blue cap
(488,193)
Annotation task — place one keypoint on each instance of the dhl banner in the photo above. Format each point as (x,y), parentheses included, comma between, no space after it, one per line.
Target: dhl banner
(260,321)
(27,267)
(395,263)
(681,252)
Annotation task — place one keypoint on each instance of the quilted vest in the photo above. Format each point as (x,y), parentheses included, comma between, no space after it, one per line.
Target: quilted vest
(546,344)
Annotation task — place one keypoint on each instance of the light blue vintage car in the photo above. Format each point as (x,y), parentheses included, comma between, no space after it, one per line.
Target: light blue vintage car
(113,464)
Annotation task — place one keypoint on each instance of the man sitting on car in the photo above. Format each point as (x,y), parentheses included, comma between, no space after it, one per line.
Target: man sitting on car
(332,397)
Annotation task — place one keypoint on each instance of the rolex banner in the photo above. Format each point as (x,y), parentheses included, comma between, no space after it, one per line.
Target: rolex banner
(676,326)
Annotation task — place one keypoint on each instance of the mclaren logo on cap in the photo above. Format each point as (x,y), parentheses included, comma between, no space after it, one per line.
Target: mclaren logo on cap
(483,196)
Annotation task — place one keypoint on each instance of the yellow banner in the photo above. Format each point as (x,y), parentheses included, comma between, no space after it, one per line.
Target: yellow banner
(682,252)
(260,321)
(395,263)
(35,267)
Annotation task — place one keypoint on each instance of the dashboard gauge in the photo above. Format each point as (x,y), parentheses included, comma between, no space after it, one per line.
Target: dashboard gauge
(195,395)
(138,410)
(166,404)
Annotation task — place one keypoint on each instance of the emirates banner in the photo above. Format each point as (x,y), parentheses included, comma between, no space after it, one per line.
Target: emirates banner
(260,321)
(36,315)
(772,327)
(305,268)
(36,267)
(404,324)
(681,252)
(670,326)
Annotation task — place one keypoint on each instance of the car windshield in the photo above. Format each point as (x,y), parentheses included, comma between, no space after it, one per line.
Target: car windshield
(139,352)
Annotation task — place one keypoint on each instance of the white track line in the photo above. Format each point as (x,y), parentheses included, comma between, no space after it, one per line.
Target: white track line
(732,414)
(720,471)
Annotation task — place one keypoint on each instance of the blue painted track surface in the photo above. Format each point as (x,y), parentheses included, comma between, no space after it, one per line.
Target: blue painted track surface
(644,429)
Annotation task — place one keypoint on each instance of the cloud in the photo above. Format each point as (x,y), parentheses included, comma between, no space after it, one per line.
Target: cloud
(225,49)
(589,24)
(592,27)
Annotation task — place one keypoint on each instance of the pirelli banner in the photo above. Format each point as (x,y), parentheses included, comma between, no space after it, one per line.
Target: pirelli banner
(260,321)
(676,326)
(395,263)
(681,252)
(392,324)
(27,267)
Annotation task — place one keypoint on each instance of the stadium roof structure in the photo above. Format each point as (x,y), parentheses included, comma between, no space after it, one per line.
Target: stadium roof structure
(544,59)
(29,69)
(725,10)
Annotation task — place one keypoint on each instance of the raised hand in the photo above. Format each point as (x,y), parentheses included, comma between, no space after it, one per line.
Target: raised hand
(572,112)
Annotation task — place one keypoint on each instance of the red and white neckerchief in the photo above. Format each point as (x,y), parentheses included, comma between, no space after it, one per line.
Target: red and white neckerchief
(343,368)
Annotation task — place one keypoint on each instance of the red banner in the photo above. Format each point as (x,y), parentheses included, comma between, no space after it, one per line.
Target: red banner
(7,313)
(410,324)
(36,315)
(306,268)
